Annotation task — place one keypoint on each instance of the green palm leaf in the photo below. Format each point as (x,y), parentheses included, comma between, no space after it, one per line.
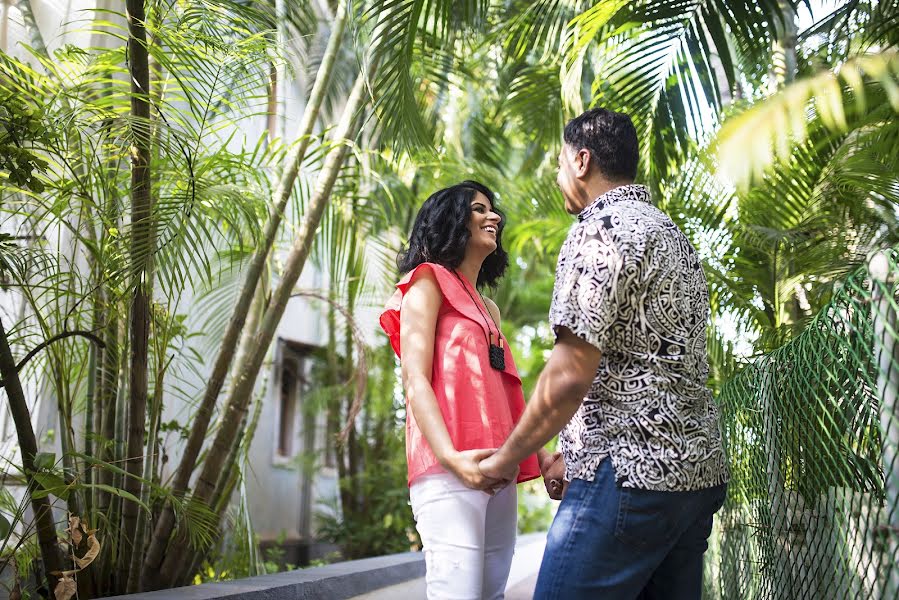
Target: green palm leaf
(753,140)
(403,32)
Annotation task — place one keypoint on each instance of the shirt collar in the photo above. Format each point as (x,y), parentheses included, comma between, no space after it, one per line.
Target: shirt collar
(623,192)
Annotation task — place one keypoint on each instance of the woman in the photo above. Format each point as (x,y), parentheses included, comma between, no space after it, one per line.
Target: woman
(463,392)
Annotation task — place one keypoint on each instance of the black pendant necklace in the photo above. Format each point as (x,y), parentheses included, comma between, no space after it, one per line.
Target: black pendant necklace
(496,353)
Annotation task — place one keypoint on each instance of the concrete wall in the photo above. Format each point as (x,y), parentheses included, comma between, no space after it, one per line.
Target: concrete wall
(331,582)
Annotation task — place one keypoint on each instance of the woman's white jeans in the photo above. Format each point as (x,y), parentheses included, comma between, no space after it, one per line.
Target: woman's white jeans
(468,537)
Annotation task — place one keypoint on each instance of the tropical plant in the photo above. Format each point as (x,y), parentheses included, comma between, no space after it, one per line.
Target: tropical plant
(88,254)
(127,189)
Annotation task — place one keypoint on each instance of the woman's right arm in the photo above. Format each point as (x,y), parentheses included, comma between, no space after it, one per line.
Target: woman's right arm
(418,323)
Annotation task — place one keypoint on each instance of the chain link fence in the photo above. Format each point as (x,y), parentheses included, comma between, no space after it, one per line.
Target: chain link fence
(812,432)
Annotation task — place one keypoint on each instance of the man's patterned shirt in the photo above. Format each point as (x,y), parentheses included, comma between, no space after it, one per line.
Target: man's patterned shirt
(630,283)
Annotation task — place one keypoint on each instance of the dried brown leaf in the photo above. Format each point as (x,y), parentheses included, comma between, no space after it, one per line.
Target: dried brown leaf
(93,549)
(74,529)
(65,589)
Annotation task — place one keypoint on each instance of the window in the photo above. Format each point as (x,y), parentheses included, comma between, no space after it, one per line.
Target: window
(288,402)
(303,427)
(292,385)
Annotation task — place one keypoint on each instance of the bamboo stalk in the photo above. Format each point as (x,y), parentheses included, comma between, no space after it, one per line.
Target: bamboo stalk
(228,348)
(242,387)
(107,393)
(142,243)
(140,539)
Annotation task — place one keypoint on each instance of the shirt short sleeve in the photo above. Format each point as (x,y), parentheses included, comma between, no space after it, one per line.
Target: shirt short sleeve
(586,293)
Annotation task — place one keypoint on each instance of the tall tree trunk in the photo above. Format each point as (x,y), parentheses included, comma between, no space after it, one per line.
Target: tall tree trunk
(43,513)
(106,397)
(336,401)
(242,387)
(92,420)
(225,488)
(223,361)
(119,451)
(352,294)
(107,400)
(784,65)
(143,523)
(142,245)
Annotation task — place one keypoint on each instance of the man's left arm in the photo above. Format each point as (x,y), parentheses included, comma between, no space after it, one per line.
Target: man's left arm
(561,388)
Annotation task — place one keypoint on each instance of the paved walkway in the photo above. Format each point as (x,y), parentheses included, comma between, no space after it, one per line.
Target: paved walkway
(522,577)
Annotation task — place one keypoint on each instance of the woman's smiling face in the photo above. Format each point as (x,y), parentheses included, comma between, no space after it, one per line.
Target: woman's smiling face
(484,225)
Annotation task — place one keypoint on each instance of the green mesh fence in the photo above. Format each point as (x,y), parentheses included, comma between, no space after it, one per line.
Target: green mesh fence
(812,432)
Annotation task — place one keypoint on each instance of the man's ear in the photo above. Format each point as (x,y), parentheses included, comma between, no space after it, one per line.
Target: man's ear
(582,162)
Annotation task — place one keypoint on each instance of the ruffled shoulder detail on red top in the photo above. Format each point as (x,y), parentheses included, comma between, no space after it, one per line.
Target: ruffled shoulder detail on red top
(451,287)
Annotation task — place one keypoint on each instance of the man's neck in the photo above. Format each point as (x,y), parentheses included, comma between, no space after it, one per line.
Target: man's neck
(597,186)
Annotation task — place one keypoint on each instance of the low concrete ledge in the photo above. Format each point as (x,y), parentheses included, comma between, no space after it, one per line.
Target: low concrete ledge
(330,582)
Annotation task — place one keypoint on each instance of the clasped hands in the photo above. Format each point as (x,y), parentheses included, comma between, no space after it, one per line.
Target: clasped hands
(481,470)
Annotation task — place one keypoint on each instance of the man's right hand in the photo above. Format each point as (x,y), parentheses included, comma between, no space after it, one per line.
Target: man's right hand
(464,465)
(552,467)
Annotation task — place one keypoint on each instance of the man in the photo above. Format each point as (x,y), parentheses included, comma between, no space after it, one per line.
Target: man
(644,465)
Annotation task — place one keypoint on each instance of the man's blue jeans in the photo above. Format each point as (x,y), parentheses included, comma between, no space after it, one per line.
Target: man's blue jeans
(611,543)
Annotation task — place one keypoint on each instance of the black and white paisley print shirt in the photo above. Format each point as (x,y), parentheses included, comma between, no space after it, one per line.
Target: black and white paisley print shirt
(630,283)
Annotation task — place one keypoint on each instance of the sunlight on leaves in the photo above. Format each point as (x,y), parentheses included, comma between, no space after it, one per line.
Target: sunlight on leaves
(751,142)
(580,31)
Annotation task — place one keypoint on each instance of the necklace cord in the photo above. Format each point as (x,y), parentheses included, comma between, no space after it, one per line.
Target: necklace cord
(480,312)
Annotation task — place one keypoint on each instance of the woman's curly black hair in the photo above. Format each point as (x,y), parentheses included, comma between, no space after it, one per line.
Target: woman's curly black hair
(440,233)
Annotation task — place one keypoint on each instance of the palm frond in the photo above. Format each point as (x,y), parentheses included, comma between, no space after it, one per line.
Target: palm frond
(661,62)
(768,131)
(401,30)
(537,28)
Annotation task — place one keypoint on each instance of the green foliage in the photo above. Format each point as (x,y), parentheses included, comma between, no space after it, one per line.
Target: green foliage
(535,509)
(385,524)
(27,558)
(374,517)
(274,556)
(65,138)
(22,130)
(475,89)
(812,447)
(851,97)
